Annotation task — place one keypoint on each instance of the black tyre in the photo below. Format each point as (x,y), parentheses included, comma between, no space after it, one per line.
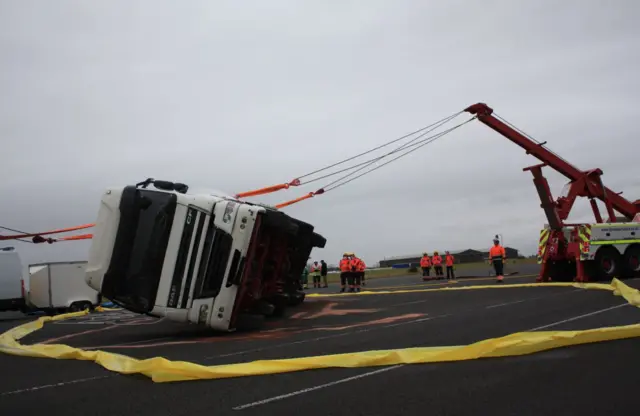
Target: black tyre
(607,263)
(318,241)
(631,261)
(562,271)
(296,298)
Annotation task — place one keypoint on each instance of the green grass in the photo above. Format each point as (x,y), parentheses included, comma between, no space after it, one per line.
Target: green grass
(390,272)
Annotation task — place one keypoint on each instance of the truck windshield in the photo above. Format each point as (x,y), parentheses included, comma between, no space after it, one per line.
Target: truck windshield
(133,276)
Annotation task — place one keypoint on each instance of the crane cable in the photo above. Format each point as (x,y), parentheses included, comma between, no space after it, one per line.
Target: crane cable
(413,144)
(297,181)
(336,183)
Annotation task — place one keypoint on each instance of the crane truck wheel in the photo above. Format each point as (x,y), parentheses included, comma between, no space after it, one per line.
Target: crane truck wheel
(631,261)
(607,263)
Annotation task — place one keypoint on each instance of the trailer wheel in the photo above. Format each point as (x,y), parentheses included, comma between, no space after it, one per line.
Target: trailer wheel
(631,261)
(607,263)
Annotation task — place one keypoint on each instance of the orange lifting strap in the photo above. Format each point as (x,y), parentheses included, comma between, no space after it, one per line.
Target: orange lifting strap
(61,230)
(268,189)
(302,198)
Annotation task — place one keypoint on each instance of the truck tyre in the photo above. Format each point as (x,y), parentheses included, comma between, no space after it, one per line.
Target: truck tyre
(318,241)
(631,261)
(607,263)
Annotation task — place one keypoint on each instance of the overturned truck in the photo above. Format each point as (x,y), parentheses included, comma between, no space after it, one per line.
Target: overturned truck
(200,258)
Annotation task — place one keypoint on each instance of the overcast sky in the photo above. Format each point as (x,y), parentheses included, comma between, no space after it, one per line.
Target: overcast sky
(235,95)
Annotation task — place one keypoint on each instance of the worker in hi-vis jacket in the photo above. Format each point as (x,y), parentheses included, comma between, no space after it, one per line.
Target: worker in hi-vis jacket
(497,257)
(425,264)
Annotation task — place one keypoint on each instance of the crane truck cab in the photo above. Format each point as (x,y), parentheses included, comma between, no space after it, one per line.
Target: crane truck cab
(602,250)
(198,258)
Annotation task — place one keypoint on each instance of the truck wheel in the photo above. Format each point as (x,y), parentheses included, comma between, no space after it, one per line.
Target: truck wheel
(296,298)
(318,241)
(631,261)
(607,263)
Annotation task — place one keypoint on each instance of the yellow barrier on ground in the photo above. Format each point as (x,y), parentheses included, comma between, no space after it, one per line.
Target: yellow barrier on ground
(162,370)
(599,286)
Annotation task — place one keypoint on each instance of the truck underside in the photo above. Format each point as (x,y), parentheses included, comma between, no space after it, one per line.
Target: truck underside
(270,278)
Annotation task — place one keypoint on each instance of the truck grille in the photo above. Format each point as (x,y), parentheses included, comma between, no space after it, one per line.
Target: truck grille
(213,265)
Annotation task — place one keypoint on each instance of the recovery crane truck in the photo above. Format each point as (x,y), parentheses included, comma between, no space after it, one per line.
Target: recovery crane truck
(580,252)
(206,259)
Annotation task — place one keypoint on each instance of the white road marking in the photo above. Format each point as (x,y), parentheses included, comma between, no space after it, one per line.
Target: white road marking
(578,317)
(343,334)
(48,386)
(534,298)
(321,386)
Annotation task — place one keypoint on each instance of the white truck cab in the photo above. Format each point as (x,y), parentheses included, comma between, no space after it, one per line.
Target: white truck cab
(202,258)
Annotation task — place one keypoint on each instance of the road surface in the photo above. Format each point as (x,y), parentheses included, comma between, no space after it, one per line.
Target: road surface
(595,379)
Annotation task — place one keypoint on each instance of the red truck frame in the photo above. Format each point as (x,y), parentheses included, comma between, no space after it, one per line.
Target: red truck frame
(561,259)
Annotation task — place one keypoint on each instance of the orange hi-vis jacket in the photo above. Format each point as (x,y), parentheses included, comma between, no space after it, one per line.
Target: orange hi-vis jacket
(345,265)
(354,264)
(361,266)
(448,260)
(497,253)
(425,261)
(437,260)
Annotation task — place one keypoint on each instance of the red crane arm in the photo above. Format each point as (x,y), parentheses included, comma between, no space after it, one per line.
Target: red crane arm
(590,182)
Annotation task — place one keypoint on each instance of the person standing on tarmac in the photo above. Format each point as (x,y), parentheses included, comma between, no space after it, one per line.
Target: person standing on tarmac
(437,265)
(315,272)
(448,261)
(497,257)
(323,273)
(354,280)
(425,264)
(345,268)
(363,268)
(305,277)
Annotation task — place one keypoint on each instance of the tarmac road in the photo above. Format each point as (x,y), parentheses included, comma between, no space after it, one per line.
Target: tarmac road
(587,380)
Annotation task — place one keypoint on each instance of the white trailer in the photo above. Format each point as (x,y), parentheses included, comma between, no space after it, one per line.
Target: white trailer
(60,287)
(12,292)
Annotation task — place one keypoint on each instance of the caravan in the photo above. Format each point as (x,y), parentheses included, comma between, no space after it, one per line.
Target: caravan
(60,287)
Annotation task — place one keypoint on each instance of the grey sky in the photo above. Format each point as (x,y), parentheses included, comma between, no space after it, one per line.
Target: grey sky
(236,95)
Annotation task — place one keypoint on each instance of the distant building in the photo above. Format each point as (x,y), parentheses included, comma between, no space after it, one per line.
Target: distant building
(461,256)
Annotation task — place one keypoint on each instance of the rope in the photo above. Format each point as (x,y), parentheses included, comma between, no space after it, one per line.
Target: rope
(423,143)
(37,237)
(16,231)
(530,137)
(441,121)
(411,143)
(416,146)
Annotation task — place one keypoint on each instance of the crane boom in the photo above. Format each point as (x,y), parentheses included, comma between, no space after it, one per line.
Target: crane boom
(583,183)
